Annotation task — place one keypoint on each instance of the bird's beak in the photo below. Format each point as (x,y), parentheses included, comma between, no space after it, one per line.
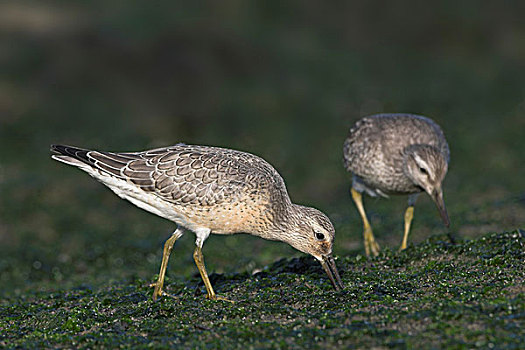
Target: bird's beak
(328,264)
(437,197)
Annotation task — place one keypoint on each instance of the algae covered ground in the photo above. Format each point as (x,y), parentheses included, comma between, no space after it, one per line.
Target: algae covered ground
(284,81)
(433,295)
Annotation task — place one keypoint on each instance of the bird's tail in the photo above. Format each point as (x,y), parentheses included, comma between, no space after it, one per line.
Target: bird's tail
(71,155)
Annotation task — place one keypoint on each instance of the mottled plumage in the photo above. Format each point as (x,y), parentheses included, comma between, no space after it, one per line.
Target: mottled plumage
(396,154)
(210,190)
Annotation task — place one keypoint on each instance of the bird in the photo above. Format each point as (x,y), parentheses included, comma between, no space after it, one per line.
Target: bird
(209,190)
(396,154)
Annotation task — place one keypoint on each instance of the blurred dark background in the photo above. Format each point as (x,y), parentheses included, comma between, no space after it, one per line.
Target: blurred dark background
(283,80)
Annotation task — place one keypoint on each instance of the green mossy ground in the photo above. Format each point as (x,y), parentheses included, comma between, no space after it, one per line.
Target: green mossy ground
(285,81)
(435,294)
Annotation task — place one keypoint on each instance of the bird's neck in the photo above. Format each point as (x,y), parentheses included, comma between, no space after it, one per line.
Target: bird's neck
(281,223)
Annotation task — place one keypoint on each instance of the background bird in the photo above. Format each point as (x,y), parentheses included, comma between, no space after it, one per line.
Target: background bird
(396,154)
(209,190)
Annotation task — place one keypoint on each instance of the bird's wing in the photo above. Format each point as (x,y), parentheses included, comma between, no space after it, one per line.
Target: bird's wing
(184,174)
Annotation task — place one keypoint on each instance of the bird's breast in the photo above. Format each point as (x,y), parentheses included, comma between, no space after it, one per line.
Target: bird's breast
(229,218)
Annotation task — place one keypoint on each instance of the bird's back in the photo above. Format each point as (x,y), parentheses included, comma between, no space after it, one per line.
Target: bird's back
(197,182)
(374,148)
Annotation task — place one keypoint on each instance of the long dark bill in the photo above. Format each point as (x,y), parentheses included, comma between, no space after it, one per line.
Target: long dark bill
(328,264)
(437,196)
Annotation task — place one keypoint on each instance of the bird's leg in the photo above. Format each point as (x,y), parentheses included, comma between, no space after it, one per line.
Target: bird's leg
(409,215)
(168,246)
(199,261)
(371,245)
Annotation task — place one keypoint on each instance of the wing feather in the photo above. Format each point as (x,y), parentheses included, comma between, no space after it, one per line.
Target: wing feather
(184,174)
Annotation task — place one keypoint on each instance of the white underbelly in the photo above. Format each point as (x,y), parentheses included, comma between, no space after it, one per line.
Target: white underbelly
(142,199)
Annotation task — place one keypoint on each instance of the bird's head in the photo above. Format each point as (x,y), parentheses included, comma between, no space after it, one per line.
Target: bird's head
(426,166)
(312,232)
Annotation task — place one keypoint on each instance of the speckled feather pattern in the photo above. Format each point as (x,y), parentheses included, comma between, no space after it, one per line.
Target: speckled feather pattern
(225,190)
(375,146)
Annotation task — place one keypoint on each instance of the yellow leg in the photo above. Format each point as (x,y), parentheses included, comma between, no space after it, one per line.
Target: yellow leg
(409,215)
(371,245)
(168,246)
(199,261)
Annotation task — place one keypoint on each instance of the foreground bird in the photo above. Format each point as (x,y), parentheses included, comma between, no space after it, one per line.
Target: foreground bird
(396,154)
(209,190)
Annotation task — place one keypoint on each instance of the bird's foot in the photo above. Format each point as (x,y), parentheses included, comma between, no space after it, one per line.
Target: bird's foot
(371,246)
(159,292)
(374,248)
(216,297)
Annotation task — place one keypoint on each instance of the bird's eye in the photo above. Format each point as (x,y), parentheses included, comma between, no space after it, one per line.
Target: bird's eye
(423,170)
(319,236)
